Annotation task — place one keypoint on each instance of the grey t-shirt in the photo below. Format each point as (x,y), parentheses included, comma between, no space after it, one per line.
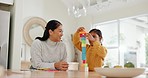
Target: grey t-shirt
(45,53)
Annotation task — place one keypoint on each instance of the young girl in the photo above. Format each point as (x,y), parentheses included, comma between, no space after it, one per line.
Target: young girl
(95,51)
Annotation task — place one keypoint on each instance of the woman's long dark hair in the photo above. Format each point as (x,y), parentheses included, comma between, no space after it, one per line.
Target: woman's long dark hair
(51,25)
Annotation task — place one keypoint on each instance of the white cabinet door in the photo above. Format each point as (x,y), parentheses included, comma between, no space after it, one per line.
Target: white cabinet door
(4,37)
(9,2)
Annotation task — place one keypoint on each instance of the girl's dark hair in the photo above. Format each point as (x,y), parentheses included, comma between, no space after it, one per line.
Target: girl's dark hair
(51,25)
(97,31)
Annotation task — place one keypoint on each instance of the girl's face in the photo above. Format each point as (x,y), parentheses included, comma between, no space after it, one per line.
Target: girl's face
(56,34)
(95,36)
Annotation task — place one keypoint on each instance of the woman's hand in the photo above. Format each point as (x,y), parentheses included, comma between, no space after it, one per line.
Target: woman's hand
(61,65)
(81,29)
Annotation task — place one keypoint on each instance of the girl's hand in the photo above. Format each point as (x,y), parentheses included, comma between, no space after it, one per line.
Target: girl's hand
(90,37)
(81,29)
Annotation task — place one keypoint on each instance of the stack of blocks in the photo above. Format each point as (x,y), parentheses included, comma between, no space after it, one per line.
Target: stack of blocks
(84,66)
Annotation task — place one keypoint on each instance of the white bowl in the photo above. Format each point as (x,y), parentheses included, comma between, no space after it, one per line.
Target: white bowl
(119,72)
(73,65)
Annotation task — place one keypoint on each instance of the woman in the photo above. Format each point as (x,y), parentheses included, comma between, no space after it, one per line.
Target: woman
(95,51)
(49,52)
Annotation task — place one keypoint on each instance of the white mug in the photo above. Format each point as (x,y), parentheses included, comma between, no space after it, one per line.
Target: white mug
(73,65)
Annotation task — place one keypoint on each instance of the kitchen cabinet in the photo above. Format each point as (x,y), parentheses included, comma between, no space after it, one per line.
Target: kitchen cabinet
(8,2)
(4,37)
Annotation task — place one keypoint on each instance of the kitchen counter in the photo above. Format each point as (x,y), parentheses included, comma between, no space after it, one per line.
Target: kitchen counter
(55,74)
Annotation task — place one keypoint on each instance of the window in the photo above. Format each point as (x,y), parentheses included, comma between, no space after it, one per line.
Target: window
(125,41)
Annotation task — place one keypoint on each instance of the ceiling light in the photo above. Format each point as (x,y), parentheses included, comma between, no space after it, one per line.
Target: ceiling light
(77,8)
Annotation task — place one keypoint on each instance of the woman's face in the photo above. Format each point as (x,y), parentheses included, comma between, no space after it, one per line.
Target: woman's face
(56,34)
